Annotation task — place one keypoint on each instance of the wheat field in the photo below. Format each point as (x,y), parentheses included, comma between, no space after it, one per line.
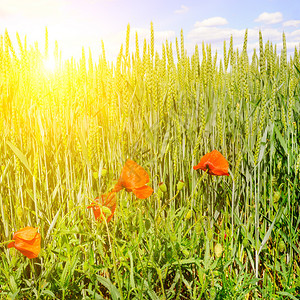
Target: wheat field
(67,132)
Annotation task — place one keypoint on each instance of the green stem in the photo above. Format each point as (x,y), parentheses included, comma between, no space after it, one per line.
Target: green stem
(232,204)
(6,242)
(114,258)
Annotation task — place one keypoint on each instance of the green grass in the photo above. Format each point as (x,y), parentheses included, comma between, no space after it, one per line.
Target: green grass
(165,111)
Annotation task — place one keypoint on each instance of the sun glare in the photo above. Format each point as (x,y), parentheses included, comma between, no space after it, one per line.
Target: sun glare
(49,64)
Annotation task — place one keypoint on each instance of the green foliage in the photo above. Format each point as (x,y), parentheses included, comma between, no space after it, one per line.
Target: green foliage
(67,134)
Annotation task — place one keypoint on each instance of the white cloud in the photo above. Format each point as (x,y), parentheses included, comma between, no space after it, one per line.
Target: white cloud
(291,23)
(269,18)
(216,35)
(295,34)
(215,21)
(213,34)
(183,9)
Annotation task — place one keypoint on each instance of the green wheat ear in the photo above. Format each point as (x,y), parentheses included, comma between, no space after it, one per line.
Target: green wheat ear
(152,40)
(261,54)
(127,42)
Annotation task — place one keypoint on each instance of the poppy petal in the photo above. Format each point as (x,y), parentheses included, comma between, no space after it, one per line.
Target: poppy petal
(11,244)
(28,241)
(117,187)
(218,163)
(32,248)
(108,201)
(133,175)
(143,192)
(29,254)
(96,211)
(26,233)
(215,163)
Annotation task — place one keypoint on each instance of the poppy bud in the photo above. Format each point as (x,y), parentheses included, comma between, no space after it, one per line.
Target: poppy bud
(162,187)
(172,237)
(279,165)
(159,193)
(281,246)
(185,252)
(19,212)
(106,211)
(276,196)
(158,220)
(245,242)
(103,172)
(180,185)
(212,293)
(198,228)
(218,250)
(85,266)
(188,215)
(147,224)
(71,204)
(210,234)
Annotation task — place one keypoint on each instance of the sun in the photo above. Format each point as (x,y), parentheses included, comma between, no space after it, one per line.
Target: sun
(50,64)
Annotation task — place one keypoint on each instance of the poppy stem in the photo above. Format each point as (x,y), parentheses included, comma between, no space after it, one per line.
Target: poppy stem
(113,257)
(32,269)
(6,242)
(198,182)
(166,204)
(69,212)
(210,203)
(232,202)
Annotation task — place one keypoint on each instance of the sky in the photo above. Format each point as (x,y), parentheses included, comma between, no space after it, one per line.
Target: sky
(77,23)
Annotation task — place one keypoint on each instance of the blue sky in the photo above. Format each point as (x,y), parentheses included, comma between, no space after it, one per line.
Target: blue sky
(77,23)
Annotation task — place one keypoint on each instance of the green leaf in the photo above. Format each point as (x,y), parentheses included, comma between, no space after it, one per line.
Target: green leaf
(13,285)
(52,224)
(93,294)
(297,68)
(263,145)
(64,275)
(165,142)
(49,293)
(280,138)
(150,292)
(187,261)
(267,235)
(84,149)
(132,283)
(20,155)
(115,294)
(288,295)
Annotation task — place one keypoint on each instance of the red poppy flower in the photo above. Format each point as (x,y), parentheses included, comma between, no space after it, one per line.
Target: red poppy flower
(214,162)
(28,241)
(107,204)
(134,179)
